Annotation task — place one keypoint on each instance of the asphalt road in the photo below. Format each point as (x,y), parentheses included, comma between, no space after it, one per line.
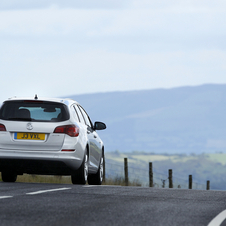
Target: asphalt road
(57,204)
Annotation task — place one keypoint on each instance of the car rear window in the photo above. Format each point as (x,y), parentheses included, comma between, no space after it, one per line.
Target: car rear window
(42,111)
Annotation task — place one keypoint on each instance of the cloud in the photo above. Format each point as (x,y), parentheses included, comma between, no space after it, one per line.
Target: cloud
(38,4)
(52,70)
(112,4)
(55,48)
(113,23)
(186,5)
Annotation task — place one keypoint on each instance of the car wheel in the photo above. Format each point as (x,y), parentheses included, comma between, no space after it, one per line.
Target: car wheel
(80,176)
(97,179)
(8,176)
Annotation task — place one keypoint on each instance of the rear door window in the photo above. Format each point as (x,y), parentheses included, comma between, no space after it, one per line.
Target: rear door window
(86,117)
(75,114)
(42,111)
(81,118)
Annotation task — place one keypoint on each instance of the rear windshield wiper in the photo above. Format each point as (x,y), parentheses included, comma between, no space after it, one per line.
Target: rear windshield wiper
(20,119)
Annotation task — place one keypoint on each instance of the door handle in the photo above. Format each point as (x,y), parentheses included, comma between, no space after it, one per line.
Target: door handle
(95,136)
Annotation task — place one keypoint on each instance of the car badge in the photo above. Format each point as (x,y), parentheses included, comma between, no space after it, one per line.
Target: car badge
(29,126)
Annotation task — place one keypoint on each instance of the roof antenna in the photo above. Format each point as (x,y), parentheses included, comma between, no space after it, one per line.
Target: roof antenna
(36,97)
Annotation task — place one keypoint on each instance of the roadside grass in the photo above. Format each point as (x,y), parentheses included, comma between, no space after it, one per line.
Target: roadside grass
(120,181)
(43,179)
(26,178)
(203,166)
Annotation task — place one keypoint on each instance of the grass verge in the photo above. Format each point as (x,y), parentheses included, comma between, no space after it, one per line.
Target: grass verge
(26,178)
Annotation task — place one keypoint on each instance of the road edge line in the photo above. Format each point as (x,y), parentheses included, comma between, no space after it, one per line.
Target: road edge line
(218,219)
(44,191)
(5,197)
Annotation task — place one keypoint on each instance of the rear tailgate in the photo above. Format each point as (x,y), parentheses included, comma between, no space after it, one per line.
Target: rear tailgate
(31,136)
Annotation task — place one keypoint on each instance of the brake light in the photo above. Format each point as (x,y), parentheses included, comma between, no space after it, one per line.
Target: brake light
(71,130)
(2,127)
(33,101)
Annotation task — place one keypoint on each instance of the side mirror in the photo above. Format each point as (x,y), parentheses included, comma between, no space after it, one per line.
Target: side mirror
(99,126)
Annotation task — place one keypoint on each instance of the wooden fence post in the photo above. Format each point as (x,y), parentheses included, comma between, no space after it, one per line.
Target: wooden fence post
(126,172)
(150,175)
(170,178)
(208,185)
(190,182)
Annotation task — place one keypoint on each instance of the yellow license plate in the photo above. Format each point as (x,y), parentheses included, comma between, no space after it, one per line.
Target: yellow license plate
(29,136)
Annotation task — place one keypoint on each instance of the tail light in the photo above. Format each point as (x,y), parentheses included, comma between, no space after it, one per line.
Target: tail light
(2,127)
(71,130)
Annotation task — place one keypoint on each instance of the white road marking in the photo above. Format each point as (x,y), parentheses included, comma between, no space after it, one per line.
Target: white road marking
(44,191)
(218,219)
(5,197)
(89,186)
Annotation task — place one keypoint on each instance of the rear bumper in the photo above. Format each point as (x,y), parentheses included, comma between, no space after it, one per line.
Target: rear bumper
(40,163)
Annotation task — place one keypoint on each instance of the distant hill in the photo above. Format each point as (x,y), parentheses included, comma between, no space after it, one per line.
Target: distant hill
(178,120)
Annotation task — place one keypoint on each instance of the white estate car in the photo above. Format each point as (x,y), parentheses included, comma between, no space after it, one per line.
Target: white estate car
(49,137)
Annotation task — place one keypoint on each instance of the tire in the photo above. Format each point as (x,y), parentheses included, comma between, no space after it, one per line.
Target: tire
(97,179)
(8,176)
(80,176)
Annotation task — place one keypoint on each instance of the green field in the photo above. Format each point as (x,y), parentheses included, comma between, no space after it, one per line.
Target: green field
(136,157)
(203,167)
(218,157)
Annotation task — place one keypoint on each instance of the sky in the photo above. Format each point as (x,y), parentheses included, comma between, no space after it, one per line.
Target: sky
(57,48)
